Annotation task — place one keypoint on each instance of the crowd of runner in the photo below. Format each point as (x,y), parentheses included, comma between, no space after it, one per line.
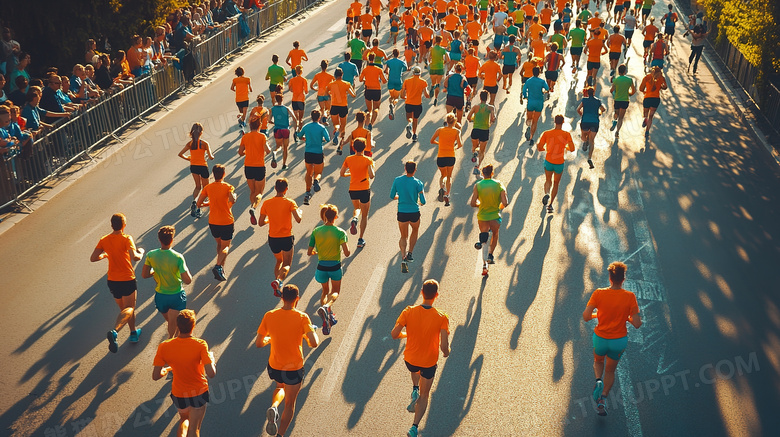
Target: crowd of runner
(454,53)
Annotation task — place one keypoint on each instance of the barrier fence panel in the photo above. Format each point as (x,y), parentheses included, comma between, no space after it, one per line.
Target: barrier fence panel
(87,128)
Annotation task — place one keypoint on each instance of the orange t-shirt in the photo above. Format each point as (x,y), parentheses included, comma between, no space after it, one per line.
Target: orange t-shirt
(613,308)
(534,29)
(117,248)
(408,21)
(296,56)
(530,10)
(322,79)
(279,212)
(242,88)
(373,77)
(649,82)
(650,32)
(545,16)
(451,22)
(423,334)
(539,47)
(595,46)
(556,141)
(254,147)
(615,42)
(186,356)
(490,71)
(414,87)
(338,92)
(357,8)
(462,9)
(366,20)
(198,155)
(299,87)
(426,34)
(358,169)
(379,55)
(261,113)
(220,212)
(594,23)
(474,30)
(448,139)
(472,65)
(441,6)
(361,132)
(286,329)
(528,68)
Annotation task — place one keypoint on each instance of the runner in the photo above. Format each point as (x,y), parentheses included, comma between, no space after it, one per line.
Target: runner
(651,87)
(221,197)
(426,38)
(647,5)
(349,70)
(242,87)
(472,65)
(278,212)
(315,134)
(557,141)
(698,34)
(545,16)
(438,57)
(534,91)
(190,359)
(566,14)
(553,62)
(409,191)
(379,54)
(594,48)
(622,89)
(394,69)
(199,149)
(649,32)
(262,113)
(357,46)
(120,250)
(427,329)
(670,21)
(483,12)
(360,132)
(366,23)
(254,147)
(447,139)
(412,92)
(283,119)
(338,90)
(482,117)
(373,78)
(490,73)
(299,87)
(614,307)
(376,10)
(590,109)
(456,49)
(620,10)
(276,76)
(631,23)
(490,197)
(295,58)
(527,70)
(658,51)
(321,80)
(616,42)
(360,170)
(510,54)
(327,242)
(577,38)
(395,22)
(454,85)
(284,328)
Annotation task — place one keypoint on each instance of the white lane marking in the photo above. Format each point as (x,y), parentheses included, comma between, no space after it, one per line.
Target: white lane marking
(350,335)
(337,26)
(636,251)
(89,233)
(632,412)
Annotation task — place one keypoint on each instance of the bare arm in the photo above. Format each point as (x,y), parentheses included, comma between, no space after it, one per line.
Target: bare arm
(636,320)
(297,214)
(312,339)
(587,315)
(398,332)
(181,154)
(159,372)
(504,198)
(345,249)
(147,272)
(97,255)
(474,198)
(445,343)
(186,277)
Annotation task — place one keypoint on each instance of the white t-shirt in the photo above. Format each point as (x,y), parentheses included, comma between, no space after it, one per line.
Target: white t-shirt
(499,18)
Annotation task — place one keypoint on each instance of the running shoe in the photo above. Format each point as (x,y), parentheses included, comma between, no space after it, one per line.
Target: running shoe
(134,335)
(276,284)
(353,226)
(530,142)
(370,126)
(306,198)
(585,146)
(474,156)
(332,319)
(272,415)
(490,259)
(273,160)
(215,271)
(446,200)
(412,432)
(404,267)
(468,106)
(361,242)
(476,171)
(550,209)
(391,115)
(478,245)
(409,130)
(410,408)
(435,101)
(408,257)
(284,166)
(252,218)
(614,125)
(221,273)
(545,199)
(113,346)
(323,313)
(335,137)
(528,133)
(644,122)
(414,138)
(590,163)
(338,151)
(198,213)
(598,389)
(316,185)
(546,96)
(601,407)
(295,136)
(440,197)
(193,208)
(484,269)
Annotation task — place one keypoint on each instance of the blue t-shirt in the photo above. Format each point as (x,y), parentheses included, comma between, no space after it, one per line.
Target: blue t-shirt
(510,56)
(281,117)
(532,89)
(395,68)
(33,116)
(590,110)
(50,101)
(408,189)
(456,83)
(315,134)
(350,71)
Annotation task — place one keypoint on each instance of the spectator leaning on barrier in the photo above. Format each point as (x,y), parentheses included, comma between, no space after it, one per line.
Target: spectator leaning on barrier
(182,34)
(34,113)
(136,56)
(9,145)
(23,136)
(49,99)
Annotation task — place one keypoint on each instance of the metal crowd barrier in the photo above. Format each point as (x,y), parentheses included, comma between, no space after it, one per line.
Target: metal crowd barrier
(88,128)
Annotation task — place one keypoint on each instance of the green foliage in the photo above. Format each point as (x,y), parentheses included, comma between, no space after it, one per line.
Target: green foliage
(55,32)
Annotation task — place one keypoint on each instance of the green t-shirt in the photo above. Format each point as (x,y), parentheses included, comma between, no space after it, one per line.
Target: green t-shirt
(647,4)
(584,16)
(482,117)
(558,39)
(489,193)
(276,74)
(622,85)
(356,47)
(168,265)
(577,37)
(483,4)
(512,30)
(437,57)
(327,239)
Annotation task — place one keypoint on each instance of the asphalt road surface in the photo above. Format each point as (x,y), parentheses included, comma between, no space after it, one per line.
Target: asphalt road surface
(694,213)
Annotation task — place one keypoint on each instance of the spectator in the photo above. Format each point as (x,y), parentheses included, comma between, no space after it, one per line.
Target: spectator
(230,9)
(91,57)
(159,46)
(3,95)
(197,24)
(20,70)
(18,131)
(19,96)
(121,69)
(53,99)
(10,51)
(9,145)
(80,85)
(182,35)
(136,56)
(33,113)
(103,77)
(148,54)
(89,78)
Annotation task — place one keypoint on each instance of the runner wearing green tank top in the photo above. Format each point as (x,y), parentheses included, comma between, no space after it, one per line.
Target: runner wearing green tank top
(438,58)
(622,89)
(490,197)
(481,116)
(577,38)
